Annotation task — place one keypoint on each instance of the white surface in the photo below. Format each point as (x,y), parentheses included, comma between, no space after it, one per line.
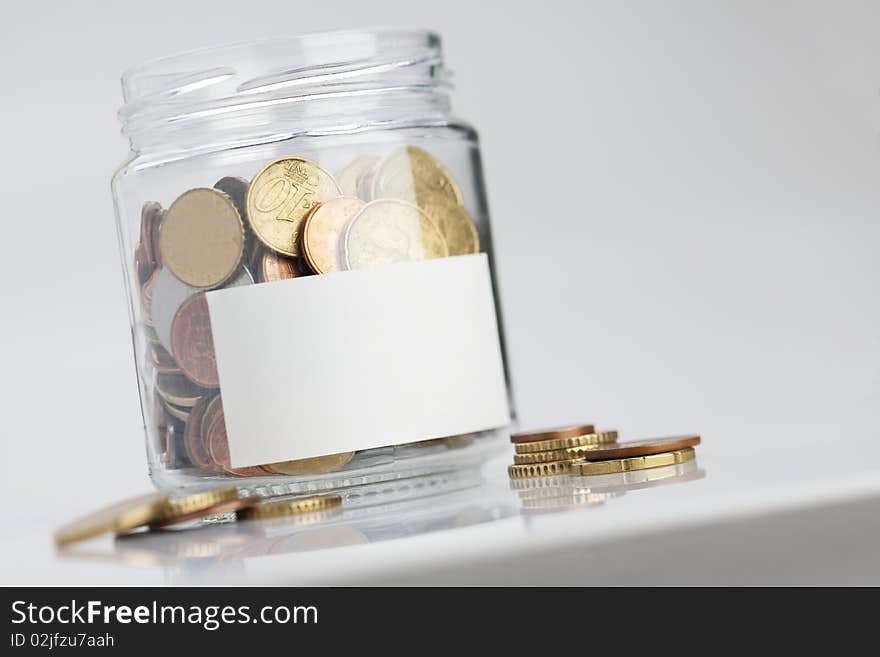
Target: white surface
(700,255)
(381,359)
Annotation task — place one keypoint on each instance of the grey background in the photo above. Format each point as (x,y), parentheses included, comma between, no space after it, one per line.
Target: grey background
(684,195)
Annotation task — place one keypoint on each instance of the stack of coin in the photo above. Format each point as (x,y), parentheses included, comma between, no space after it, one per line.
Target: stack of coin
(581,450)
(294,219)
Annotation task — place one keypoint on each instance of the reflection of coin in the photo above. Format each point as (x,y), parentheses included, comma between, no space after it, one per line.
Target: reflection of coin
(454,222)
(413,174)
(552,434)
(635,463)
(192,342)
(388,231)
(314,465)
(202,238)
(595,438)
(281,196)
(120,517)
(351,177)
(292,506)
(322,232)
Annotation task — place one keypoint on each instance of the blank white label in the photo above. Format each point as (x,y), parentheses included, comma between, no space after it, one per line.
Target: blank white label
(360,359)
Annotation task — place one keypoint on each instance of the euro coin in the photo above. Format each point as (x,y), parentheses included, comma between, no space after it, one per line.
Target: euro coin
(459,230)
(117,518)
(323,230)
(281,196)
(192,342)
(201,238)
(314,465)
(351,177)
(291,506)
(539,469)
(595,438)
(552,434)
(635,463)
(388,231)
(412,174)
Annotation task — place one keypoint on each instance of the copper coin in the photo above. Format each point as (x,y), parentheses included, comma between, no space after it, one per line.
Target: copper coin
(229,506)
(323,230)
(633,448)
(235,188)
(218,443)
(194,440)
(163,361)
(147,290)
(151,214)
(142,264)
(552,434)
(192,343)
(275,267)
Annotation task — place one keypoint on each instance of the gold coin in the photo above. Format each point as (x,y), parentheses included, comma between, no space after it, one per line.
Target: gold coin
(177,390)
(567,454)
(280,198)
(413,174)
(314,465)
(291,506)
(389,231)
(198,504)
(615,466)
(351,177)
(539,469)
(120,517)
(597,438)
(201,238)
(322,233)
(459,230)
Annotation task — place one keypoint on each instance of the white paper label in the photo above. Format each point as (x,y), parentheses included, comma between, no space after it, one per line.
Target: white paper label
(360,359)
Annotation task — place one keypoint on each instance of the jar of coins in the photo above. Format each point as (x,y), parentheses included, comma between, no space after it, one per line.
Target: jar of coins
(306,244)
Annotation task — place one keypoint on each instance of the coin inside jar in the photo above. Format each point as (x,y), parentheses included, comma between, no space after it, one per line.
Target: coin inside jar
(201,239)
(274,267)
(413,174)
(194,440)
(313,465)
(323,230)
(459,230)
(280,197)
(192,342)
(388,231)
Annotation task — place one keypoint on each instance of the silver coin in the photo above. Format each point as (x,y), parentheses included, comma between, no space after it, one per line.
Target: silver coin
(169,293)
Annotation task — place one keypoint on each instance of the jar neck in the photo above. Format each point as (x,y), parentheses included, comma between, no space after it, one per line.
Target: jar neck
(338,82)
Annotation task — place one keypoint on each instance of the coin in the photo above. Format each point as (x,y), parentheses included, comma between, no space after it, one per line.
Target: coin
(151,215)
(177,412)
(201,500)
(194,440)
(291,506)
(163,361)
(178,390)
(413,174)
(147,292)
(142,265)
(323,230)
(168,294)
(192,342)
(219,508)
(313,465)
(218,447)
(214,407)
(635,463)
(388,231)
(539,469)
(552,434)
(602,452)
(201,239)
(459,230)
(596,438)
(274,267)
(120,517)
(352,175)
(236,189)
(280,197)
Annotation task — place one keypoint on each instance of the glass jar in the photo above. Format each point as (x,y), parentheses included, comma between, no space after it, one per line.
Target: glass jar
(304,229)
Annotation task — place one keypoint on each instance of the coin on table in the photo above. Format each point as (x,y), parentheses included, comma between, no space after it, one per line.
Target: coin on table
(194,440)
(192,342)
(220,508)
(313,465)
(201,239)
(413,174)
(323,230)
(615,466)
(555,433)
(540,469)
(291,506)
(352,175)
(120,517)
(280,197)
(459,230)
(583,440)
(388,231)
(197,501)
(603,452)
